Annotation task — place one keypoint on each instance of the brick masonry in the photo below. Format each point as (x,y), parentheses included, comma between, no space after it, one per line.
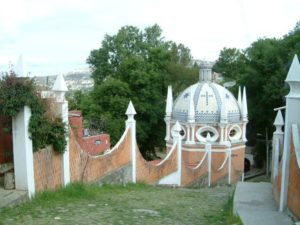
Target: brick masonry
(116,166)
(293,200)
(150,173)
(47,169)
(87,168)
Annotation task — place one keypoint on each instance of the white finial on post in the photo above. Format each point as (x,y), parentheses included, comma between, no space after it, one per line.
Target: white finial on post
(169,104)
(293,78)
(130,112)
(279,122)
(60,88)
(176,129)
(20,68)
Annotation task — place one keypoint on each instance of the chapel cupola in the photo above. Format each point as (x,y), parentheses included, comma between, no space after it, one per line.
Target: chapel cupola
(205,73)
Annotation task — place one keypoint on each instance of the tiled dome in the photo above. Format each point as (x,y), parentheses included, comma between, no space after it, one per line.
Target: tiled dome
(208,99)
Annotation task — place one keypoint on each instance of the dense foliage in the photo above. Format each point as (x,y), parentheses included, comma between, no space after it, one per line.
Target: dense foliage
(136,65)
(262,68)
(15,93)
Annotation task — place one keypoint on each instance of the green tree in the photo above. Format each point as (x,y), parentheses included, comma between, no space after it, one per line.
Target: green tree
(138,65)
(231,63)
(262,68)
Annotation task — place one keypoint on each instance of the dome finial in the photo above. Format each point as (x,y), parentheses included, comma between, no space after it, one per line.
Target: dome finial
(205,73)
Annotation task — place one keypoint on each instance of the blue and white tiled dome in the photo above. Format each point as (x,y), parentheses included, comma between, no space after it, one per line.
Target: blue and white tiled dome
(208,98)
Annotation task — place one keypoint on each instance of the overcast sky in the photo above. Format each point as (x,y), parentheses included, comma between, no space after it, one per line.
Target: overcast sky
(57,35)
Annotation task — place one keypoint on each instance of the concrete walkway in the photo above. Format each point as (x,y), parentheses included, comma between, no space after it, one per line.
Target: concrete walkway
(255,205)
(11,197)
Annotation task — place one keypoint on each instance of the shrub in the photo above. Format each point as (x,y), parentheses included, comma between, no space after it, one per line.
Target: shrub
(15,93)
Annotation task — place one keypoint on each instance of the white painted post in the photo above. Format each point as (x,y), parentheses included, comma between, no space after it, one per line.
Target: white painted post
(167,120)
(23,152)
(66,155)
(169,108)
(131,124)
(291,117)
(60,88)
(188,134)
(193,133)
(208,150)
(178,139)
(277,143)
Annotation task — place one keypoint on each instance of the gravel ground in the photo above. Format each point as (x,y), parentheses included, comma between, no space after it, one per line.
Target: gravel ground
(133,204)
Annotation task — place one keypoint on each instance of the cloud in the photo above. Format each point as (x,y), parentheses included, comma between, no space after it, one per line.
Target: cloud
(65,31)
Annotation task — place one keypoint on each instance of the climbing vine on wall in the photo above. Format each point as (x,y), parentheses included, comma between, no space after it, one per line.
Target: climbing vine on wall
(45,129)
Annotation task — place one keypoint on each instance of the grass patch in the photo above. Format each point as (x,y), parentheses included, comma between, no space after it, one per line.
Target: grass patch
(130,204)
(228,212)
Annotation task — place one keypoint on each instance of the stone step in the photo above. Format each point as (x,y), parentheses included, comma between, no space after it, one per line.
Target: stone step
(12,197)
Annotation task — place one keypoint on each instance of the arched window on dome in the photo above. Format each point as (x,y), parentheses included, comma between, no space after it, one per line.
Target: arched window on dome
(202,132)
(235,133)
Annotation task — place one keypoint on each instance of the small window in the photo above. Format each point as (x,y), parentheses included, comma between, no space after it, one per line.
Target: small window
(232,133)
(202,133)
(235,133)
(205,133)
(182,133)
(97,142)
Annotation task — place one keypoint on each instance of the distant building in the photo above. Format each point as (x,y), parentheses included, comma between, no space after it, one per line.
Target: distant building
(92,144)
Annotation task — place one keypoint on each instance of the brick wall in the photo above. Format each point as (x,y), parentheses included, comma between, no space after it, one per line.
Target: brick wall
(191,159)
(150,173)
(293,200)
(189,175)
(84,167)
(47,169)
(217,159)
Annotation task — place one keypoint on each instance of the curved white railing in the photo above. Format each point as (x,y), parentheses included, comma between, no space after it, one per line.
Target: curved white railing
(201,162)
(169,154)
(224,163)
